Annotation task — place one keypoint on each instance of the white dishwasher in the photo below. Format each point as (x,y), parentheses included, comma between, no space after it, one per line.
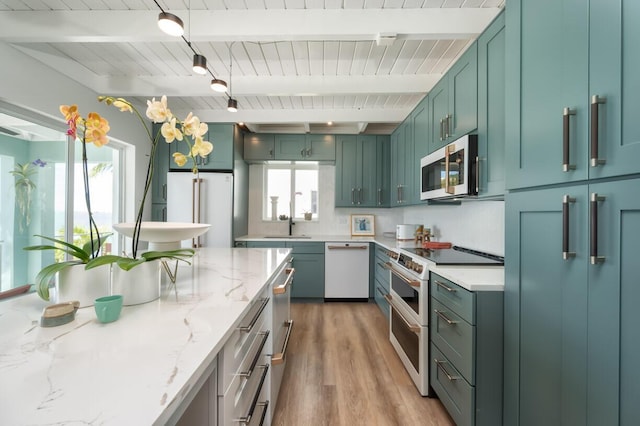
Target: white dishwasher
(346,271)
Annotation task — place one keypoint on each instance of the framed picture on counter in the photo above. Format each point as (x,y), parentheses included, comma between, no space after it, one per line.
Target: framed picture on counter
(362,225)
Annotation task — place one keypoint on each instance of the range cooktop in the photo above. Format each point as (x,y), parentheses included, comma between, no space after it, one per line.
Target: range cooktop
(457,255)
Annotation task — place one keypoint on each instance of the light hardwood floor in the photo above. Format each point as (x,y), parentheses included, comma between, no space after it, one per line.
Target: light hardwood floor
(342,370)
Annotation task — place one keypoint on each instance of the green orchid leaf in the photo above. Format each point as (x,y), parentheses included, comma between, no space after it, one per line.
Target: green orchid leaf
(47,273)
(153,255)
(103,239)
(103,260)
(127,263)
(72,250)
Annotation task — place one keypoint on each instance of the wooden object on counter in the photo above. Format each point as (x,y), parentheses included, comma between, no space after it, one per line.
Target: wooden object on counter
(59,314)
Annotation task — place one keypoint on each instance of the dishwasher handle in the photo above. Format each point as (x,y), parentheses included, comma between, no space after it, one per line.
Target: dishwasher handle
(347,247)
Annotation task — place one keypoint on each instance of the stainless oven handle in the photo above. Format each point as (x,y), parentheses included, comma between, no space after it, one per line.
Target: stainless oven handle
(413,327)
(444,317)
(282,288)
(254,320)
(279,358)
(265,336)
(446,287)
(412,283)
(446,373)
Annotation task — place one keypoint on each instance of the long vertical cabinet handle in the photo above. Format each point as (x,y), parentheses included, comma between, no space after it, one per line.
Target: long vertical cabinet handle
(595,102)
(194,183)
(566,162)
(379,196)
(441,129)
(447,187)
(566,254)
(447,127)
(477,174)
(353,200)
(164,191)
(302,153)
(595,259)
(359,196)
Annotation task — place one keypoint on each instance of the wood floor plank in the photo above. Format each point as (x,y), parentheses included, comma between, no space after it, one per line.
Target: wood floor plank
(342,370)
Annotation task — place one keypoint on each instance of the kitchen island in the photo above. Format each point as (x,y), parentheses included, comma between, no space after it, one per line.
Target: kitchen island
(139,369)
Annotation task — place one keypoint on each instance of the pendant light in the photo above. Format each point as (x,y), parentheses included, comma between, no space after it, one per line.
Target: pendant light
(218,85)
(170,24)
(232,105)
(199,64)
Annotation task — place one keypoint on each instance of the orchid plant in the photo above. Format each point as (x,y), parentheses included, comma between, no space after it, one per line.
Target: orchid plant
(94,129)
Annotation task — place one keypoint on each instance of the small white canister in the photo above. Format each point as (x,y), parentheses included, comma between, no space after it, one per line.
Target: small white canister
(406,232)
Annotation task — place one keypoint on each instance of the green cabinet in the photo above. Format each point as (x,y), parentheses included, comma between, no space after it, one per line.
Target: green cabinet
(382,278)
(296,147)
(421,131)
(259,147)
(466,352)
(404,165)
(573,346)
(159,179)
(361,171)
(567,73)
(453,101)
(221,158)
(491,108)
(308,261)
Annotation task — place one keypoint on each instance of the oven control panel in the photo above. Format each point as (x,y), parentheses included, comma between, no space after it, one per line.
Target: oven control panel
(410,264)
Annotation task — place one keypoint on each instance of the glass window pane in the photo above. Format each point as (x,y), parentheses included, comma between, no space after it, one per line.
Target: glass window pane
(278,184)
(306,192)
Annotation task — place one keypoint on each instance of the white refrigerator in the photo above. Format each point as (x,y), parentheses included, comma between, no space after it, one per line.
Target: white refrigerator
(203,198)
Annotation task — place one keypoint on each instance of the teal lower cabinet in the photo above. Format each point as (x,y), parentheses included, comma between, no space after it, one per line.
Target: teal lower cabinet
(572,342)
(382,278)
(159,212)
(465,368)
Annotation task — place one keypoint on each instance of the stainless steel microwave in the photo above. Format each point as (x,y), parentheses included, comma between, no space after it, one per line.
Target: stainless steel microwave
(451,171)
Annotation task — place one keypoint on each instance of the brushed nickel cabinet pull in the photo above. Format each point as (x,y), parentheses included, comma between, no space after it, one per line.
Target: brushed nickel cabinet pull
(566,254)
(596,101)
(595,259)
(280,357)
(566,124)
(265,409)
(256,357)
(441,129)
(282,288)
(444,317)
(446,373)
(446,287)
(254,320)
(302,153)
(164,191)
(353,199)
(309,152)
(448,126)
(379,196)
(254,402)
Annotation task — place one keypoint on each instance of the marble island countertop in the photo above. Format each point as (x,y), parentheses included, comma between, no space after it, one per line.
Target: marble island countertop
(138,369)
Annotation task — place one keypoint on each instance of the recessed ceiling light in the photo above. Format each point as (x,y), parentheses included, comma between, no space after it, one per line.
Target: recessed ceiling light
(330,123)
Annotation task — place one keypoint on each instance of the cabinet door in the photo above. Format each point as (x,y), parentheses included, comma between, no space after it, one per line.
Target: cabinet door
(394,191)
(547,71)
(159,212)
(221,158)
(614,73)
(290,147)
(346,181)
(161,167)
(463,94)
(545,309)
(491,109)
(409,191)
(438,110)
(383,167)
(320,147)
(420,117)
(614,297)
(366,195)
(259,147)
(308,282)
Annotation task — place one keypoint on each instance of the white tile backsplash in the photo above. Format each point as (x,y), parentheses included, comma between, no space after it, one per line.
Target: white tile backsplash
(474,224)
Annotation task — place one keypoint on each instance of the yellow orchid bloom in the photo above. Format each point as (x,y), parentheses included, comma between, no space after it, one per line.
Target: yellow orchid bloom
(179,158)
(158,110)
(69,112)
(122,105)
(170,131)
(96,129)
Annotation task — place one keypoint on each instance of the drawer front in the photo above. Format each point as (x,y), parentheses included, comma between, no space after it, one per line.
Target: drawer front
(454,337)
(266,244)
(244,397)
(381,274)
(239,351)
(454,296)
(306,248)
(454,392)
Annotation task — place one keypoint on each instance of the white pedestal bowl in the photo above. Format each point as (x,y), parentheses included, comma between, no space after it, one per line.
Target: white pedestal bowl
(163,235)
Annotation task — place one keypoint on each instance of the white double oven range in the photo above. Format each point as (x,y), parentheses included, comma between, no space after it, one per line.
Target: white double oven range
(409,302)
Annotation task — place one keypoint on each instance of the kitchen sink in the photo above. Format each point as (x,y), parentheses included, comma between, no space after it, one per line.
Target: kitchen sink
(288,237)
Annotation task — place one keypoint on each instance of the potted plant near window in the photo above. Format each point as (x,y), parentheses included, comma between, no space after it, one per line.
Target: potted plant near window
(94,129)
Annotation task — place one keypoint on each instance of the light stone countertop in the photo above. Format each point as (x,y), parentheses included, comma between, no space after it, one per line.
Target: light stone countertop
(472,278)
(138,369)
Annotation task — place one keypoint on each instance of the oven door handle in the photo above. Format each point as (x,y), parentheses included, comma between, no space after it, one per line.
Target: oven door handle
(412,327)
(412,283)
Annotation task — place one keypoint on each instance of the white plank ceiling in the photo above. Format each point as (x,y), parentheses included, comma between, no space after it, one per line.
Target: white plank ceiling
(293,65)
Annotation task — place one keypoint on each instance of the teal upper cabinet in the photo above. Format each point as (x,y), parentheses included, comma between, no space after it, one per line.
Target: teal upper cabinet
(491,108)
(361,175)
(393,169)
(453,101)
(305,147)
(421,136)
(404,166)
(566,111)
(383,168)
(259,147)
(221,158)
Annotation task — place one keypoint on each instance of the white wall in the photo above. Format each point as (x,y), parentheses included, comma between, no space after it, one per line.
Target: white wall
(32,85)
(474,224)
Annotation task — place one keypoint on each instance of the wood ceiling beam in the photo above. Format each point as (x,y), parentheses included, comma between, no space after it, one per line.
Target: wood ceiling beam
(245,25)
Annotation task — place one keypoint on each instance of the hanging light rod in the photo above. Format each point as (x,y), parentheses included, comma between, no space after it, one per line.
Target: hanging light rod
(173,25)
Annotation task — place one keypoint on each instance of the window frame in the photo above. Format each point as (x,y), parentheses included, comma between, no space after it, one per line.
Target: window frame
(292,166)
